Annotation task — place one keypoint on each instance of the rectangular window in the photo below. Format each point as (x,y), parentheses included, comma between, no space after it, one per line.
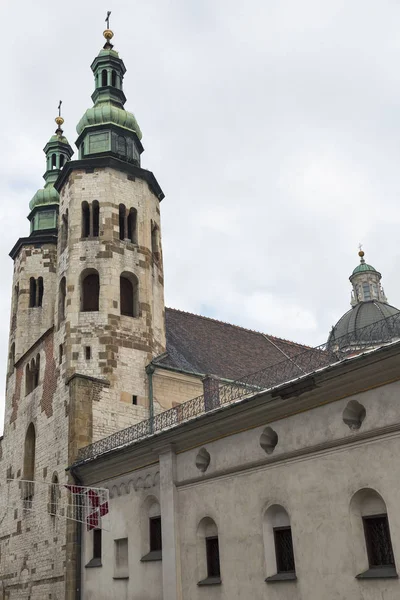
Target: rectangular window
(377,538)
(97,543)
(88,352)
(367,291)
(212,551)
(134,399)
(121,568)
(284,550)
(155,534)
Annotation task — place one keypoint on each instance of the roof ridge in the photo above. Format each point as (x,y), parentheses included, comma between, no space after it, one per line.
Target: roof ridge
(185,312)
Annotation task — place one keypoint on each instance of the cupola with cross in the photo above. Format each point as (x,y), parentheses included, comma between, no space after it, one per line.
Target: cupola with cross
(107,128)
(44,204)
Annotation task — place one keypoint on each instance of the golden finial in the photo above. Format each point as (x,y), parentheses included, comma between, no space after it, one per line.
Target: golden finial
(59,120)
(361,252)
(108,34)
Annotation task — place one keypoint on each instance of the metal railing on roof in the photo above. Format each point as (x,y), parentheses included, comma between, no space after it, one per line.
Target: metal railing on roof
(301,362)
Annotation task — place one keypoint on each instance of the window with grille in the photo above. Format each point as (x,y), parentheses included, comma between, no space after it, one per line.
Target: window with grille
(377,538)
(155,534)
(284,550)
(212,551)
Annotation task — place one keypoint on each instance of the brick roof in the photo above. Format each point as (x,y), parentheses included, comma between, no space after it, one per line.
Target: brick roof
(203,345)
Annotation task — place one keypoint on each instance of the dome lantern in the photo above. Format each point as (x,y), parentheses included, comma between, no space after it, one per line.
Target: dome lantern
(44,204)
(107,128)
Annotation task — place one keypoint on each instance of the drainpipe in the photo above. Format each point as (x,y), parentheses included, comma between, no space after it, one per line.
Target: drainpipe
(150,371)
(78,584)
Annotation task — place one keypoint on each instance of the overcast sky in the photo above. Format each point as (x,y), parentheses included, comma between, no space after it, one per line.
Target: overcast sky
(273,127)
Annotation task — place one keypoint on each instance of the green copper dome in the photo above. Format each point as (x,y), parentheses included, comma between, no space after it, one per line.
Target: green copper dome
(48,195)
(363,267)
(107,113)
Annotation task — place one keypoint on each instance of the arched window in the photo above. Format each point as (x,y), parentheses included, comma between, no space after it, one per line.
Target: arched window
(96,218)
(62,158)
(64,231)
(129,302)
(85,220)
(54,495)
(208,552)
(11,358)
(104,78)
(155,241)
(122,216)
(32,372)
(29,463)
(151,530)
(32,292)
(40,291)
(371,534)
(90,291)
(278,544)
(15,299)
(132,223)
(113,78)
(62,294)
(53,161)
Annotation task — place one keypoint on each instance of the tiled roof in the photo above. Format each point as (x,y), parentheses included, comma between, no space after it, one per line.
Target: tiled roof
(207,346)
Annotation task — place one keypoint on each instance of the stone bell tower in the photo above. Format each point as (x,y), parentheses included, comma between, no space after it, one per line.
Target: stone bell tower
(87,317)
(110,308)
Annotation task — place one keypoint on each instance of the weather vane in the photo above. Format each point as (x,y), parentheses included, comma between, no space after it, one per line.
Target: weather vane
(108,19)
(59,108)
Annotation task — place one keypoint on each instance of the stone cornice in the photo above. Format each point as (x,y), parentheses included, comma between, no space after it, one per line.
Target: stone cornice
(107,160)
(37,239)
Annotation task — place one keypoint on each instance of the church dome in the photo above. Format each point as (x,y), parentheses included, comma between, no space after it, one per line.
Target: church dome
(369,306)
(362,268)
(362,315)
(47,195)
(105,113)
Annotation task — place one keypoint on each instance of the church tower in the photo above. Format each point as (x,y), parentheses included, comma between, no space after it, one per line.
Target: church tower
(87,318)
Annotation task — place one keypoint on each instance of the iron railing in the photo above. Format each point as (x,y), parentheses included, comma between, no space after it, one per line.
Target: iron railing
(301,361)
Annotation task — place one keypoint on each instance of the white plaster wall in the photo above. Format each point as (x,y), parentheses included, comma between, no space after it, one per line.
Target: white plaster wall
(128,517)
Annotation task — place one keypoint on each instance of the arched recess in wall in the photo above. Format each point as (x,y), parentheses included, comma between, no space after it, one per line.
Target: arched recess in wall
(54,495)
(104,77)
(132,225)
(278,544)
(32,292)
(372,545)
(96,218)
(64,231)
(155,240)
(29,462)
(11,358)
(208,552)
(40,291)
(113,78)
(90,290)
(129,292)
(62,294)
(150,529)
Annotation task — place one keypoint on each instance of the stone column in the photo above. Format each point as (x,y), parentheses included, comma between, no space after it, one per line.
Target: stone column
(171,560)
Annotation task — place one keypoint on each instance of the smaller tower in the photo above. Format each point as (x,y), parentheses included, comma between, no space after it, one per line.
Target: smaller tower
(366,283)
(44,204)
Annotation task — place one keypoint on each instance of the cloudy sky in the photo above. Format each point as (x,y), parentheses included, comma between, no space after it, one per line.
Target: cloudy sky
(273,127)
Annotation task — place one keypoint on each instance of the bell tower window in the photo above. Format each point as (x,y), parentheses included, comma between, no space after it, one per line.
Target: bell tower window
(53,161)
(103,78)
(90,292)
